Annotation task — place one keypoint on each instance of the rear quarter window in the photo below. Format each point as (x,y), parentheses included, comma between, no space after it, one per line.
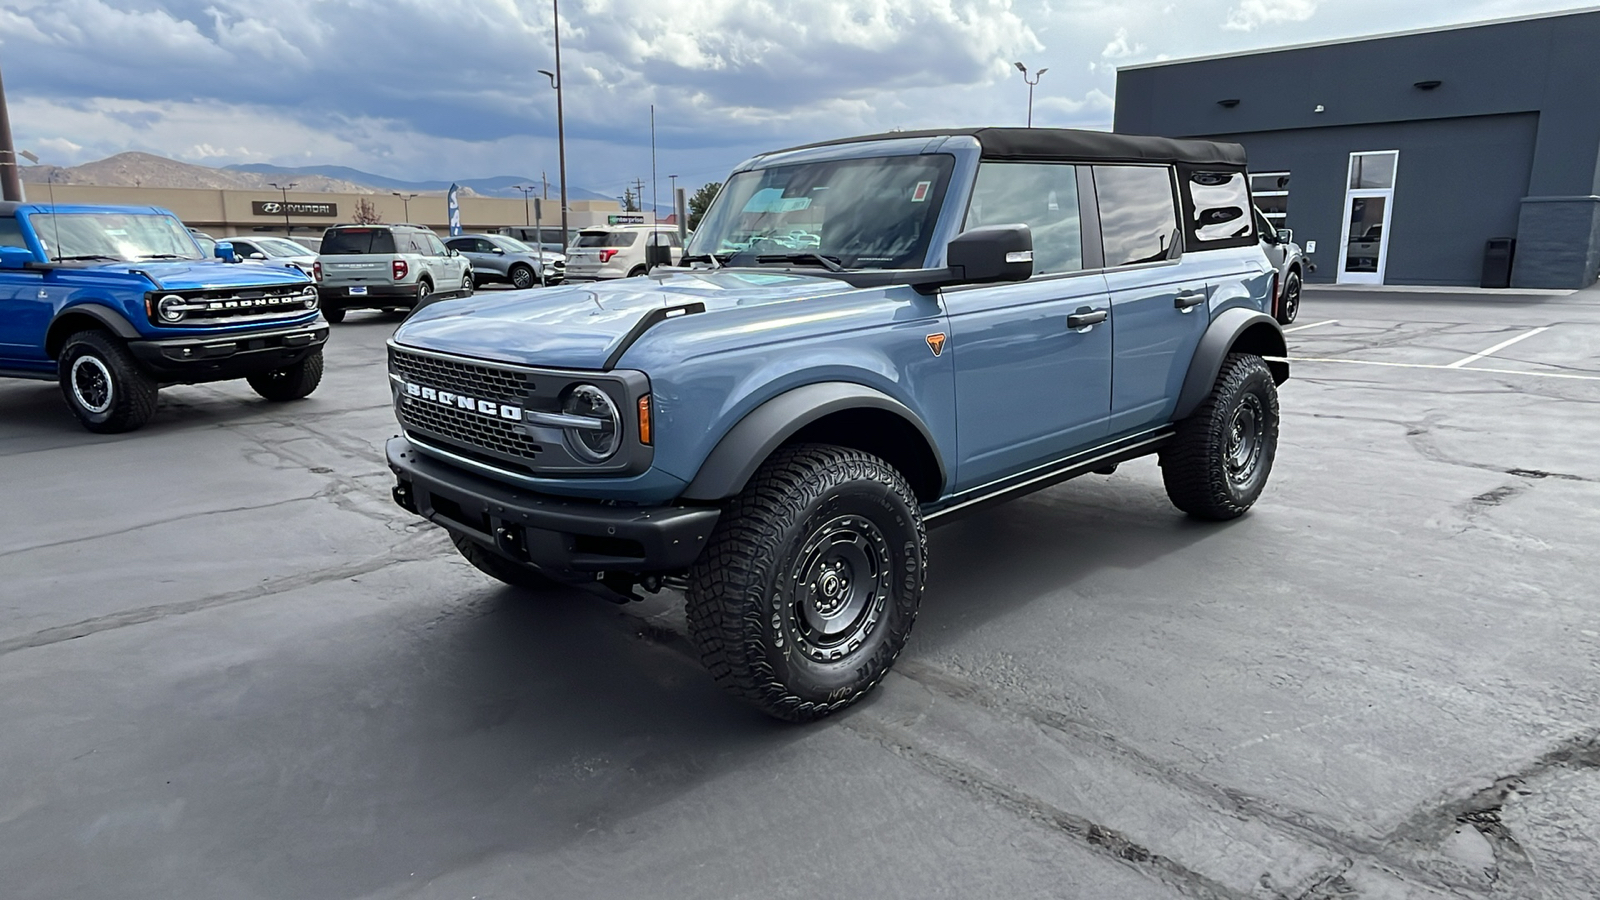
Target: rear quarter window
(1217,210)
(349,241)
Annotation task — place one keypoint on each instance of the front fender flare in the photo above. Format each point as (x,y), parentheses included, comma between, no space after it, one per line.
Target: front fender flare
(764,429)
(112,320)
(1247,330)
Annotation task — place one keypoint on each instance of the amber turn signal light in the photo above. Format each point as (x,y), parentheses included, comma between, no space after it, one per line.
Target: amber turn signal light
(644,419)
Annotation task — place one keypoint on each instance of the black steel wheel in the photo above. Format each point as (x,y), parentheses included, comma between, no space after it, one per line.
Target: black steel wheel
(1217,465)
(103,384)
(1289,306)
(521,277)
(810,583)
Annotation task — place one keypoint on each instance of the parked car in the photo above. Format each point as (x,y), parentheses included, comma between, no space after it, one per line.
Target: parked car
(386,267)
(985,312)
(619,251)
(548,238)
(1291,264)
(112,302)
(208,244)
(495,257)
(275,251)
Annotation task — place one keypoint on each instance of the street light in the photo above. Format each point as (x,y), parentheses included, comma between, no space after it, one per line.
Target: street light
(526,190)
(405,199)
(288,230)
(1036,76)
(561,122)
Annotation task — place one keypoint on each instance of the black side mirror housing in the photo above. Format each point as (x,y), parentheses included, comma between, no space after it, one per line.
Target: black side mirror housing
(657,255)
(991,253)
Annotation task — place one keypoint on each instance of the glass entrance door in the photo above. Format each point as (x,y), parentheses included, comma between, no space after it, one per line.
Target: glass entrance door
(1369,201)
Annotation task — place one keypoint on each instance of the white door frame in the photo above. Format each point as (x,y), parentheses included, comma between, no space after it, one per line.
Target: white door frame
(1350,196)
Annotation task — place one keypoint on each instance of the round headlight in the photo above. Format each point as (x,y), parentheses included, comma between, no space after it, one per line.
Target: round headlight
(308,297)
(597,442)
(170,308)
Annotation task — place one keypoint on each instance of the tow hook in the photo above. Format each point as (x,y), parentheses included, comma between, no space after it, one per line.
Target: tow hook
(509,540)
(403,496)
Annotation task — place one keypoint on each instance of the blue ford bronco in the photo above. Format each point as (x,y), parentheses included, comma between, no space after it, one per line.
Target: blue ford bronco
(865,338)
(114,301)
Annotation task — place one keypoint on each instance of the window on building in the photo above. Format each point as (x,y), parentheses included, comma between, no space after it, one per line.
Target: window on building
(1138,215)
(1042,196)
(1271,193)
(1373,170)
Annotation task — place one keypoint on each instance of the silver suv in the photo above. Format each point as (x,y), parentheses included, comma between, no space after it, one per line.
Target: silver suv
(386,267)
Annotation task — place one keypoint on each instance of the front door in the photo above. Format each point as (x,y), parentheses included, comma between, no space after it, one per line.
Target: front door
(1368,206)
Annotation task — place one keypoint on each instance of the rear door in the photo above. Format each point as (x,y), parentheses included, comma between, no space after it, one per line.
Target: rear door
(1158,305)
(1032,360)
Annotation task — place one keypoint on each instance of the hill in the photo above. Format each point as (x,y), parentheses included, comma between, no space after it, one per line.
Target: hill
(136,169)
(494,186)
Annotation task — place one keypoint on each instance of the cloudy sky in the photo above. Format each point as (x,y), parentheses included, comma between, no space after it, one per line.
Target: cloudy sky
(450,88)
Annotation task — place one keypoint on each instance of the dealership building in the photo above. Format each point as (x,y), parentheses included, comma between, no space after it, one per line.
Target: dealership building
(1456,156)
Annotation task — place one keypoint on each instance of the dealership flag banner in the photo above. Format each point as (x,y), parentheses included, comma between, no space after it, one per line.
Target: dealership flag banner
(455,209)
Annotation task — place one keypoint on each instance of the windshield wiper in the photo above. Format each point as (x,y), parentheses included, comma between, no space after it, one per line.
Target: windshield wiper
(165,256)
(831,263)
(87,256)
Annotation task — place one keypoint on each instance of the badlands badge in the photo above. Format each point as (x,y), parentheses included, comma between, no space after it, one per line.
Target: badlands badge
(936,343)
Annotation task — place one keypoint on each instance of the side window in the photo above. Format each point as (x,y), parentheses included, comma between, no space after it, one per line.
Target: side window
(1138,219)
(463,245)
(434,246)
(1042,196)
(11,233)
(479,245)
(1220,209)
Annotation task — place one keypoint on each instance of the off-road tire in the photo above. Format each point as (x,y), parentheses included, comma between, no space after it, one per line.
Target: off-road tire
(295,382)
(499,568)
(334,314)
(1218,463)
(756,638)
(113,393)
(521,277)
(1289,305)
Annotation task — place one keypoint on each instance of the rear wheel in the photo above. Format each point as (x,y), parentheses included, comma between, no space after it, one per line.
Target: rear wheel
(636,271)
(1218,463)
(521,277)
(1289,307)
(810,583)
(424,293)
(290,382)
(104,385)
(495,566)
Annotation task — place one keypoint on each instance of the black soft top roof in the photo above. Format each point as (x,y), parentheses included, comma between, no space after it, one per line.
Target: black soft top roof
(1070,143)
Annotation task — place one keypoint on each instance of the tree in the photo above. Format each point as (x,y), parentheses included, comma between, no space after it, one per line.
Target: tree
(366,213)
(700,201)
(630,203)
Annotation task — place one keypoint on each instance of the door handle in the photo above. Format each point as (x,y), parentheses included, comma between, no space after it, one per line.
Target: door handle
(1086,317)
(1189,299)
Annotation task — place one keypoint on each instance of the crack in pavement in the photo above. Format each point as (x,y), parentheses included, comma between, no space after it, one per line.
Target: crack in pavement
(197,514)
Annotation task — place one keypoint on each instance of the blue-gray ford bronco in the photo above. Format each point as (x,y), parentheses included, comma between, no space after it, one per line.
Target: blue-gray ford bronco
(115,301)
(865,337)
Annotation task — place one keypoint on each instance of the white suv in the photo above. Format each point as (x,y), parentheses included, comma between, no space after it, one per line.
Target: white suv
(618,251)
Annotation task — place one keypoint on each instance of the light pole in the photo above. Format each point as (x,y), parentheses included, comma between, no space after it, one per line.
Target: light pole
(9,157)
(1036,76)
(405,201)
(10,172)
(526,190)
(561,122)
(288,230)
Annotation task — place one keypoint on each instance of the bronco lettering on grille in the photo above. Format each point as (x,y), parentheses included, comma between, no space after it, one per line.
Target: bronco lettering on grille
(462,401)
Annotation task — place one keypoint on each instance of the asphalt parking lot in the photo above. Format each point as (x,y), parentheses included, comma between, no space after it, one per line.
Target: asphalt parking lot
(230,667)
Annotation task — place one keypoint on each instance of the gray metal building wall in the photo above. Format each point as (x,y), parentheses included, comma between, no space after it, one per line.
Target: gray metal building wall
(1508,144)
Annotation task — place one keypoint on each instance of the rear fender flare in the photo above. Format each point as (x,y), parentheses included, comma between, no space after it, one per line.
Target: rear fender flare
(764,429)
(1234,330)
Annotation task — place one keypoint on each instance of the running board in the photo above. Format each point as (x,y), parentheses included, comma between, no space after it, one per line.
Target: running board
(1121,451)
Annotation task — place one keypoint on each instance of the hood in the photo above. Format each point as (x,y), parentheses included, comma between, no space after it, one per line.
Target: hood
(189,275)
(580,326)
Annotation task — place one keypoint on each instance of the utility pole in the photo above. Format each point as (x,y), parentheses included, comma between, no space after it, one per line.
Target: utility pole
(654,180)
(288,230)
(638,193)
(10,169)
(561,121)
(546,179)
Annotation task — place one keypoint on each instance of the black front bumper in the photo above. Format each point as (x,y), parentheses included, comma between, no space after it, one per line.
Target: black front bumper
(219,357)
(570,540)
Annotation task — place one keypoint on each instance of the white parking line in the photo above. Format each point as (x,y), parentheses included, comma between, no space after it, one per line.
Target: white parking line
(1312,325)
(1451,368)
(1496,348)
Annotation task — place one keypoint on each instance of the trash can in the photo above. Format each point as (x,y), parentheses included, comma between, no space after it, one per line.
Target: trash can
(1497,255)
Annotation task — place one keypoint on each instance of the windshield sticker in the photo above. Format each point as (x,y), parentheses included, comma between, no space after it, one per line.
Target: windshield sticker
(921,193)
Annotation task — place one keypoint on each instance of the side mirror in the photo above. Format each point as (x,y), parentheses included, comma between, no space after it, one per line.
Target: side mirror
(452,251)
(499,251)
(1285,235)
(15,257)
(225,252)
(657,255)
(992,253)
(256,256)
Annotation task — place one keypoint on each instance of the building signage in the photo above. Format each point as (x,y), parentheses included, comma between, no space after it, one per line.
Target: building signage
(625,219)
(293,208)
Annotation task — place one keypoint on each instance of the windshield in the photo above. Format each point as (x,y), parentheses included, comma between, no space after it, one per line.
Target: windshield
(343,241)
(862,213)
(113,235)
(278,247)
(513,245)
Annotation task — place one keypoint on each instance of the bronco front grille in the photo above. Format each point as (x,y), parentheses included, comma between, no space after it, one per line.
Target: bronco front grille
(228,305)
(466,427)
(471,429)
(488,382)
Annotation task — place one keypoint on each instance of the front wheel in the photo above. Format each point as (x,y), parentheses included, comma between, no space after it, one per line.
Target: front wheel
(1218,463)
(467,283)
(808,588)
(1289,307)
(521,277)
(290,382)
(104,385)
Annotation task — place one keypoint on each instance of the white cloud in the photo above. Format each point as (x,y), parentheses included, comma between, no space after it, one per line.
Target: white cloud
(1119,48)
(1252,14)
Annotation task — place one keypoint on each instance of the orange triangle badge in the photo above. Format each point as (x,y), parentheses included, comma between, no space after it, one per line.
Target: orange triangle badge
(936,343)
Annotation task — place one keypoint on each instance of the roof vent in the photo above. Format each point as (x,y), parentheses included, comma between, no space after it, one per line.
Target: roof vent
(1229,103)
(1427,85)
